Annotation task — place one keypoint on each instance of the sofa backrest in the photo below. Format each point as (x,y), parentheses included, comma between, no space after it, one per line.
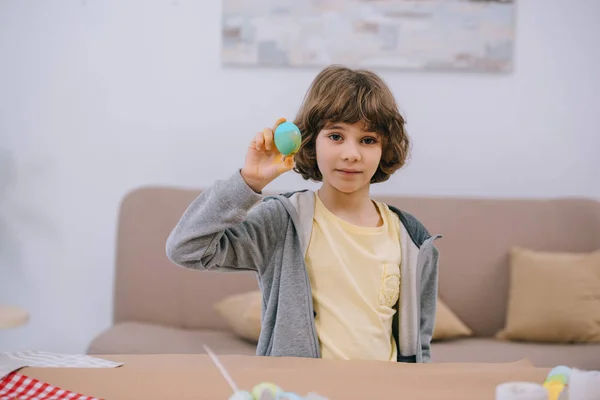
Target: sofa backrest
(148,286)
(473,254)
(477,236)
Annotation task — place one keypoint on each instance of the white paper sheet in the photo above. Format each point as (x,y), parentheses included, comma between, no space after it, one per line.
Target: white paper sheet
(10,362)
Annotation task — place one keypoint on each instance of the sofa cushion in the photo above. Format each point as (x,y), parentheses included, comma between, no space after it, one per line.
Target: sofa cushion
(243,313)
(553,297)
(447,324)
(545,355)
(144,338)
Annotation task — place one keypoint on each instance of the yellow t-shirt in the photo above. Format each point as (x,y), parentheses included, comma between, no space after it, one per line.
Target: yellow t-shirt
(354,273)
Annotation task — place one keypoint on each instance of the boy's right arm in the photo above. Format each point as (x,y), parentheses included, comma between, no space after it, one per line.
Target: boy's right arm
(224,228)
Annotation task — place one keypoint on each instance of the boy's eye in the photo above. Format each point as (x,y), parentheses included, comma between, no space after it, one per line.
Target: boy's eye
(335,137)
(369,140)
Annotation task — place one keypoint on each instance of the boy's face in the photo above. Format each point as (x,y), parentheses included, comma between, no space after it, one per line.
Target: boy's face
(347,155)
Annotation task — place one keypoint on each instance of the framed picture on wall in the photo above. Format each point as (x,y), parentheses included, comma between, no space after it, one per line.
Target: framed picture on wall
(451,35)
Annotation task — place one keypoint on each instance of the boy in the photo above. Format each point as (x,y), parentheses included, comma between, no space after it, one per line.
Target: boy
(342,276)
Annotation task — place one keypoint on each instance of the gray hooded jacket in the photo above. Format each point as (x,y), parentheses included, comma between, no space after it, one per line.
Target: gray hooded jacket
(229,227)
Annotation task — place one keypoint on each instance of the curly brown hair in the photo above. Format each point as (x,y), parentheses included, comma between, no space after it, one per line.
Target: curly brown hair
(341,94)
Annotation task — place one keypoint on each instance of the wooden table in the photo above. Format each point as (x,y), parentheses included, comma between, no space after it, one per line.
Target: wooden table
(148,377)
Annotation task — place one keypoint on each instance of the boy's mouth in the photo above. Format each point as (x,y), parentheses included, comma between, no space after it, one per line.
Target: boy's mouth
(349,171)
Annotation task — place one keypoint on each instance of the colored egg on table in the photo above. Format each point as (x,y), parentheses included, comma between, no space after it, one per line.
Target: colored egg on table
(287,138)
(560,370)
(553,384)
(554,389)
(266,388)
(561,378)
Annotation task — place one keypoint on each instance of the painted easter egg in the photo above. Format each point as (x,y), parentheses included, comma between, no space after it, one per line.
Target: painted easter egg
(560,370)
(287,138)
(561,378)
(554,389)
(263,388)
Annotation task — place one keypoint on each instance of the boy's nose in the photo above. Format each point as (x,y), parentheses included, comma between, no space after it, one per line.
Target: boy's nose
(351,152)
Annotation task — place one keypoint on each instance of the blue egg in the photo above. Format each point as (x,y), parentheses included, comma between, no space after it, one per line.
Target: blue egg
(287,138)
(560,370)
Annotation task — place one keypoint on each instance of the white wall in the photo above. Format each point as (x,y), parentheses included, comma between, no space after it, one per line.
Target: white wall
(99,97)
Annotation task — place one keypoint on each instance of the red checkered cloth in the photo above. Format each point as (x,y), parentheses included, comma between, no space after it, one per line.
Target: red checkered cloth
(15,386)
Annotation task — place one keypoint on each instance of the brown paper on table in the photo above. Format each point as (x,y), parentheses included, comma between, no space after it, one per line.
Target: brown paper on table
(195,377)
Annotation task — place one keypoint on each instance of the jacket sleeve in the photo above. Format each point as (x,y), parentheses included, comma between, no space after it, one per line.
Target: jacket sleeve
(227,228)
(429,294)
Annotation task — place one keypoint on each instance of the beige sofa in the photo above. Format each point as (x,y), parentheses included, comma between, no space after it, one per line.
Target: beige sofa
(162,308)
